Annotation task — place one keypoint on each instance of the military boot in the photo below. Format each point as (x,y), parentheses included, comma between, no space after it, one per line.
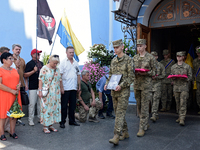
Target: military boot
(182,123)
(124,135)
(163,109)
(115,140)
(140,133)
(153,118)
(93,119)
(177,120)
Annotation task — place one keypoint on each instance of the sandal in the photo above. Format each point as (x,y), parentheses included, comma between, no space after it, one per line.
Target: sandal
(3,137)
(46,130)
(14,136)
(51,128)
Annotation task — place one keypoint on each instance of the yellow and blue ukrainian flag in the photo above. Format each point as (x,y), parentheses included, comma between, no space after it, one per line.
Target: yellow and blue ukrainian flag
(190,56)
(68,38)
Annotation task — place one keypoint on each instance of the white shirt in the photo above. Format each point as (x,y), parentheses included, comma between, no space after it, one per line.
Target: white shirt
(69,72)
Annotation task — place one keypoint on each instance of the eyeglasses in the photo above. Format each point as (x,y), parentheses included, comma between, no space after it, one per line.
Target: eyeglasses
(11,59)
(55,56)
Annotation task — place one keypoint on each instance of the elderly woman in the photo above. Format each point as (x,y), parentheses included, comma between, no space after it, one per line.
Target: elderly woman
(50,104)
(9,87)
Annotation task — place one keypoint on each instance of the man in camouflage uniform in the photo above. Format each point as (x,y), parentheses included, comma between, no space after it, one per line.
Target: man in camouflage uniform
(143,85)
(87,104)
(196,75)
(160,74)
(122,65)
(180,86)
(189,100)
(167,89)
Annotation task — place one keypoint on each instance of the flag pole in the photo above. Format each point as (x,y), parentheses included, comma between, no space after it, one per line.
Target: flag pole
(53,43)
(36,32)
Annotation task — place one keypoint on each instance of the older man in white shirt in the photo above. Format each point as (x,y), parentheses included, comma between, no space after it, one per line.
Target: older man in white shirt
(70,73)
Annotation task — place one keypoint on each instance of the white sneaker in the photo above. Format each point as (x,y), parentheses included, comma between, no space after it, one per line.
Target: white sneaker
(31,123)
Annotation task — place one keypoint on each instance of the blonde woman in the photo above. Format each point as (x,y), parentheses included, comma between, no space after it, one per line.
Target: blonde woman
(50,104)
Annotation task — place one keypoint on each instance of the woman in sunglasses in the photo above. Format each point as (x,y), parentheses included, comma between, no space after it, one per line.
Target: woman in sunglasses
(9,88)
(50,109)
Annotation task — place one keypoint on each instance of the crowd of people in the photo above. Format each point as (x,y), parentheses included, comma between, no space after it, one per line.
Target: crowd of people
(57,89)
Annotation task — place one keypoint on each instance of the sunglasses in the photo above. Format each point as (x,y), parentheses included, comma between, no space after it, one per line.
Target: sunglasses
(11,59)
(56,56)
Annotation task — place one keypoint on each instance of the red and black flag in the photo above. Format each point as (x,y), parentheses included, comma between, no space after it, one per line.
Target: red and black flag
(45,21)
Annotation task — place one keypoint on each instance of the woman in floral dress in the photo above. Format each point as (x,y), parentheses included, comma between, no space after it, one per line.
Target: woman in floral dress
(51,103)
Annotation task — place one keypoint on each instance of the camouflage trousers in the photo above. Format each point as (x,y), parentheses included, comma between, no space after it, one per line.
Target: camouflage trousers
(181,103)
(143,98)
(189,100)
(167,93)
(155,102)
(198,94)
(120,105)
(93,111)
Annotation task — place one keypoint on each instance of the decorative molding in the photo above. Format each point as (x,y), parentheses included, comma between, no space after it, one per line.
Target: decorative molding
(177,10)
(166,13)
(189,10)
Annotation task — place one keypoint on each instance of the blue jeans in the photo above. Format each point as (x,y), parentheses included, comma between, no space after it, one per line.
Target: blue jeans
(110,104)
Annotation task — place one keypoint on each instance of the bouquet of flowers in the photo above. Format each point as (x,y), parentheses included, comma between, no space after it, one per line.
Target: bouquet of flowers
(95,71)
(100,54)
(15,110)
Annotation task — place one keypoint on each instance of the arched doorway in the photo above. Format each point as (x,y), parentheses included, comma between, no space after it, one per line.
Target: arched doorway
(175,25)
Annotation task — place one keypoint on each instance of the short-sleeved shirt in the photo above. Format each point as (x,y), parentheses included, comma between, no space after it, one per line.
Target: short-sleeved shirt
(85,93)
(69,73)
(101,83)
(33,79)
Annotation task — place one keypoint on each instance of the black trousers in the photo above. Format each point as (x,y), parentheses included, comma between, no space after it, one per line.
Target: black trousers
(68,97)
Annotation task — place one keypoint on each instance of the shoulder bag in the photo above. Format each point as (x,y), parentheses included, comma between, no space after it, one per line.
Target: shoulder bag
(45,90)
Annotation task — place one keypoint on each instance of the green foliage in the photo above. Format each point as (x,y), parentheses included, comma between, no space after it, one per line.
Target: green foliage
(128,48)
(45,58)
(100,54)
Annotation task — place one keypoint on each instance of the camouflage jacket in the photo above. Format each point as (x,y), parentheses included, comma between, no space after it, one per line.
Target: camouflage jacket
(196,65)
(181,84)
(160,74)
(167,69)
(144,82)
(123,66)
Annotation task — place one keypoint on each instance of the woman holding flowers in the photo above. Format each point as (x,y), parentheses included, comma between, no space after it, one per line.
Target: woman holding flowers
(9,88)
(50,104)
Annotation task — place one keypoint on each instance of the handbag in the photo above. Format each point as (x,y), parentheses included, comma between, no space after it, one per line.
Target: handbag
(24,97)
(45,89)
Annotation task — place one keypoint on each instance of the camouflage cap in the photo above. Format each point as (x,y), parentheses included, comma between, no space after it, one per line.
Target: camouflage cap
(117,43)
(198,49)
(184,53)
(154,53)
(141,41)
(165,51)
(180,54)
